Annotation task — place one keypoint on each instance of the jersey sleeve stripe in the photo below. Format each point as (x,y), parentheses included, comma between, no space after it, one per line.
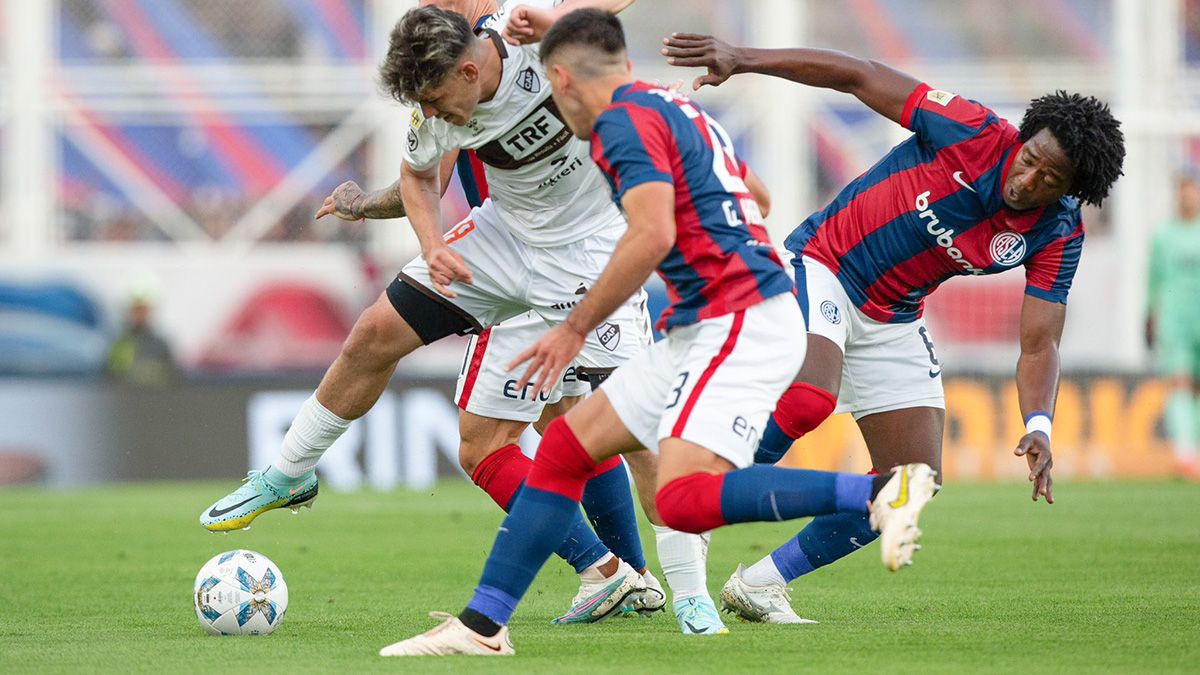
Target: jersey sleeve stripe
(911,103)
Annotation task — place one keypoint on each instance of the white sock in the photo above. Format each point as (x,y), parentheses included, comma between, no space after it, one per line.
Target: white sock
(764,573)
(683,557)
(592,573)
(311,434)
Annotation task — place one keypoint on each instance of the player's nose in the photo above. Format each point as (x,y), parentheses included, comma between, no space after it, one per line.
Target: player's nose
(428,111)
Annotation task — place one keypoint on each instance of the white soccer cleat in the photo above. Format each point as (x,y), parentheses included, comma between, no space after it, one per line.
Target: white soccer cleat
(597,601)
(895,510)
(758,604)
(451,637)
(654,599)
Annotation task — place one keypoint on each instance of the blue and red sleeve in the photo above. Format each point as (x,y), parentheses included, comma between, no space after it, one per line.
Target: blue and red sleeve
(1049,271)
(941,118)
(633,146)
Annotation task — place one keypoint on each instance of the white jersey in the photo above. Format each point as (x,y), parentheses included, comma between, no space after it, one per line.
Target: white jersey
(544,185)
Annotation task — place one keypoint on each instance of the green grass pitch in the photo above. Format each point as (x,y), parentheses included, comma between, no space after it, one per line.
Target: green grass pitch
(1106,580)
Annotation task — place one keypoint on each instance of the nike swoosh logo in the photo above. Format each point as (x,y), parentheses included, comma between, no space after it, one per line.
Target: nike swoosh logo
(293,491)
(959,179)
(902,498)
(695,631)
(217,513)
(934,373)
(494,648)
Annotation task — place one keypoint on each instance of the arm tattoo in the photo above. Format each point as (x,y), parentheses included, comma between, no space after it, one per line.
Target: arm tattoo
(384,203)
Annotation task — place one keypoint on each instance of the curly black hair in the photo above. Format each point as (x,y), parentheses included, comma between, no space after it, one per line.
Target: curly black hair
(1087,132)
(423,49)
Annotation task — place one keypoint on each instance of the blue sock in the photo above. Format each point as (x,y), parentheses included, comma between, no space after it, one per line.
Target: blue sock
(581,547)
(824,540)
(608,501)
(527,537)
(772,493)
(774,444)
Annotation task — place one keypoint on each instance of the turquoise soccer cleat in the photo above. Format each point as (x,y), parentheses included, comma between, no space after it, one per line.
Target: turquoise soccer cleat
(698,616)
(256,496)
(624,593)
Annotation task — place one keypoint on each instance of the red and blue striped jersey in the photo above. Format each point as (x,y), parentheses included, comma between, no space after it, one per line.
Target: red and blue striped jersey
(722,260)
(933,208)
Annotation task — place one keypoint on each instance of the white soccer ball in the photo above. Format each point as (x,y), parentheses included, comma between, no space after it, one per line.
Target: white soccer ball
(240,593)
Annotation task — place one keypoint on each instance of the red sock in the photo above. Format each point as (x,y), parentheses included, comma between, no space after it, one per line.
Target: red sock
(561,466)
(501,473)
(802,408)
(691,503)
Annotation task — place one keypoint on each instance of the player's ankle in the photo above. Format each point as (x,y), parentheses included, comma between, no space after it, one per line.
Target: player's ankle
(479,623)
(280,479)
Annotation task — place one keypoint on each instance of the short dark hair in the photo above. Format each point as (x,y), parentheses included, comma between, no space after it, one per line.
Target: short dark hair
(424,47)
(587,27)
(1089,135)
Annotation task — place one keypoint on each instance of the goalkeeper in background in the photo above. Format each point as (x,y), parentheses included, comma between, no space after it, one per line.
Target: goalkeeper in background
(1173,322)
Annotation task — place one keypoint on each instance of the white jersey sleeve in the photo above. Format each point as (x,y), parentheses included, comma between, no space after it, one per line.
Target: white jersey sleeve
(424,145)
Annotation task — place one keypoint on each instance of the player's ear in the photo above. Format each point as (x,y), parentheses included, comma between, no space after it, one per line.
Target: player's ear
(469,71)
(560,78)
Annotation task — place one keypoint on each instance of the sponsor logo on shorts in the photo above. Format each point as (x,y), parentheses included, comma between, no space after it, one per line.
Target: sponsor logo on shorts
(609,335)
(412,140)
(571,303)
(528,80)
(830,311)
(1007,248)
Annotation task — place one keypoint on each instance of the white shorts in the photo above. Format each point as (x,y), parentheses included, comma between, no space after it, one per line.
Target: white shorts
(887,366)
(715,382)
(529,288)
(488,389)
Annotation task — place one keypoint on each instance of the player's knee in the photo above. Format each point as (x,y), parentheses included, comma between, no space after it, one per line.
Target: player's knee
(374,340)
(802,408)
(691,503)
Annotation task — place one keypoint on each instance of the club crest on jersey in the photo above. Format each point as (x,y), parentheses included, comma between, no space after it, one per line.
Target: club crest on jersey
(831,312)
(609,335)
(528,80)
(1007,248)
(417,119)
(940,97)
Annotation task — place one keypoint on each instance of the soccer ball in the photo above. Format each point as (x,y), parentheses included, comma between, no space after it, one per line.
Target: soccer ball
(240,593)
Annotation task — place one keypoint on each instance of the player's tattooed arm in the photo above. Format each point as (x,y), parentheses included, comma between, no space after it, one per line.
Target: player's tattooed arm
(881,87)
(1037,384)
(649,209)
(349,202)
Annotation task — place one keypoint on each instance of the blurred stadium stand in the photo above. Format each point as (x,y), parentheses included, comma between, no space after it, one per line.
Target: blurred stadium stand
(184,145)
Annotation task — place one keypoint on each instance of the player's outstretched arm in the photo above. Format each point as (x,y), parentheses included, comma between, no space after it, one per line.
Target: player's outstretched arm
(349,202)
(527,24)
(650,210)
(1037,386)
(881,87)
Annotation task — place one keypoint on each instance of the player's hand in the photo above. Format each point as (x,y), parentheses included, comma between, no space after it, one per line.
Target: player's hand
(345,202)
(446,266)
(688,50)
(527,25)
(548,357)
(1035,448)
